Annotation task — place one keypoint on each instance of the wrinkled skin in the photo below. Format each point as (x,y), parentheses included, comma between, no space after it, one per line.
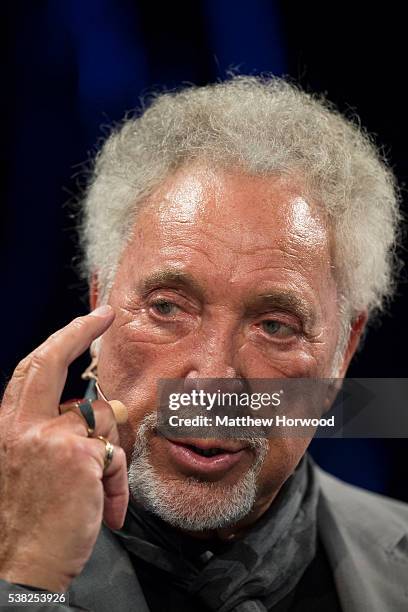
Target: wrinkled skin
(53,488)
(236,237)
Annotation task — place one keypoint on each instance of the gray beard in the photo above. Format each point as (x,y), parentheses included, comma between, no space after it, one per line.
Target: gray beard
(188,503)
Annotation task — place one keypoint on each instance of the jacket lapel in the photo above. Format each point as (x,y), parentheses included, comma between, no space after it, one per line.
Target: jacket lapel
(108,581)
(365,536)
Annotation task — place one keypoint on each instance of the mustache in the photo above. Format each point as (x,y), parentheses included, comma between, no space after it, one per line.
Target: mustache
(148,425)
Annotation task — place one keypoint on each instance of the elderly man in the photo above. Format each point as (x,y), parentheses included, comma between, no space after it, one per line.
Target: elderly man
(243,230)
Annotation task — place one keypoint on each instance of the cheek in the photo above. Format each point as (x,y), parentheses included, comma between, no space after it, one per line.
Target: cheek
(127,435)
(136,359)
(130,369)
(283,456)
(134,342)
(301,361)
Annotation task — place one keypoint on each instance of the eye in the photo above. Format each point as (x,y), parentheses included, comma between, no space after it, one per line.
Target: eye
(276,328)
(164,307)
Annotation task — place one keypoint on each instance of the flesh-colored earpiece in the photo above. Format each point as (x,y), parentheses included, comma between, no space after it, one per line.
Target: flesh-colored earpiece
(119,410)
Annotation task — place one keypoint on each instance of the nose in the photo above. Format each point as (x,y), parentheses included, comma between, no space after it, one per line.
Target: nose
(216,358)
(231,384)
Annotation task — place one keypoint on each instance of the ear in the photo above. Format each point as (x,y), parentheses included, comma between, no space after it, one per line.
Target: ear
(93,292)
(356,330)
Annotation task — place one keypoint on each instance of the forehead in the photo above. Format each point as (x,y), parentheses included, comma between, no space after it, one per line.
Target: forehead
(233,217)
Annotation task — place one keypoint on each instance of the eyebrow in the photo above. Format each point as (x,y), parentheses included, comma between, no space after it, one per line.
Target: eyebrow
(170,278)
(283,300)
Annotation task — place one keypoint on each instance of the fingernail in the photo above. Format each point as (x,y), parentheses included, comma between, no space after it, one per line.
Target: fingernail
(102,311)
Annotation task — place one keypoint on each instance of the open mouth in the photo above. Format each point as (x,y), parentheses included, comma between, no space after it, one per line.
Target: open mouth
(205,457)
(205,452)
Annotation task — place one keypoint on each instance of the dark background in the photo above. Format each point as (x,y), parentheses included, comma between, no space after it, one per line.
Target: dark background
(73,67)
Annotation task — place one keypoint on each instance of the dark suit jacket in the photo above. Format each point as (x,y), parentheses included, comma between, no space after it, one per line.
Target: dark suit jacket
(365,536)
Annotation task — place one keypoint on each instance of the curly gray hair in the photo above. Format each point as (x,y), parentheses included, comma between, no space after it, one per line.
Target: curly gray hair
(264,124)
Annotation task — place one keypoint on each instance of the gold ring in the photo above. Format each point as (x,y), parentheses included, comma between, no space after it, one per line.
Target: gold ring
(109,448)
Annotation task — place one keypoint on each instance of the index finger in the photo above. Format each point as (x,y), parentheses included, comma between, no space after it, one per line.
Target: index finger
(40,378)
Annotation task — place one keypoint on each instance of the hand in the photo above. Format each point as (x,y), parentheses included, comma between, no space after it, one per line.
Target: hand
(53,490)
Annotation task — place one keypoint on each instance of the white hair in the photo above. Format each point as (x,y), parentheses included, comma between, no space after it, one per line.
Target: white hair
(264,125)
(188,503)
